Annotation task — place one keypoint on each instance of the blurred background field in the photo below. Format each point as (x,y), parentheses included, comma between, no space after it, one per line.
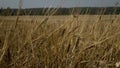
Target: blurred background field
(72,41)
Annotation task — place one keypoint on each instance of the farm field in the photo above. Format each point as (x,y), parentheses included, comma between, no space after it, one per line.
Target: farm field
(60,17)
(83,41)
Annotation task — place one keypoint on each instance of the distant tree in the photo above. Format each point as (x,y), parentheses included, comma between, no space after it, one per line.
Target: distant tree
(1,9)
(7,11)
(27,12)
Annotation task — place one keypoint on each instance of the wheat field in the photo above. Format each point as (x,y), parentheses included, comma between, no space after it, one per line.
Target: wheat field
(84,41)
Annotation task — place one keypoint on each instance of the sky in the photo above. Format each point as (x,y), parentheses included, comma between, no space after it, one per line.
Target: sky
(58,3)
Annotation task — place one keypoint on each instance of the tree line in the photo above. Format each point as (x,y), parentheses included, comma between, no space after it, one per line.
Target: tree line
(61,11)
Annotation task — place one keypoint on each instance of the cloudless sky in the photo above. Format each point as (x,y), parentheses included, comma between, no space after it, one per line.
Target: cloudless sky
(59,3)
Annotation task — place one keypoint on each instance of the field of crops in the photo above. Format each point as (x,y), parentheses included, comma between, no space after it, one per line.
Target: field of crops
(83,41)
